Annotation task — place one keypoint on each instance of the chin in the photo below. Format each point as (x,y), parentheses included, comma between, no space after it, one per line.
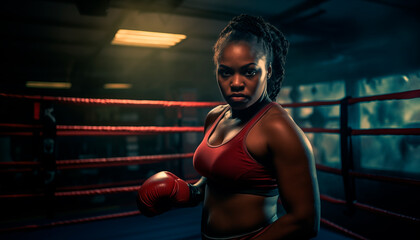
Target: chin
(238,105)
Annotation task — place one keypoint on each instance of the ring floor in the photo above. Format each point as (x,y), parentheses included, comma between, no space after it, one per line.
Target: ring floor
(178,224)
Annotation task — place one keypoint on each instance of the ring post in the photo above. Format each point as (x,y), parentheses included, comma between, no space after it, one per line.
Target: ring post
(47,158)
(346,155)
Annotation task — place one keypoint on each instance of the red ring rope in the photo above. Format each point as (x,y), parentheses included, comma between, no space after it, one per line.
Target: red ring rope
(111,130)
(20,125)
(341,229)
(311,104)
(124,159)
(98,101)
(320,130)
(369,208)
(65,130)
(386,131)
(98,191)
(328,169)
(98,162)
(391,96)
(74,221)
(408,181)
(87,192)
(17,164)
(384,178)
(100,185)
(77,192)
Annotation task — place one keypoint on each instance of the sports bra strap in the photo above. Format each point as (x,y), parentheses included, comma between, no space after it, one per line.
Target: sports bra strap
(257,117)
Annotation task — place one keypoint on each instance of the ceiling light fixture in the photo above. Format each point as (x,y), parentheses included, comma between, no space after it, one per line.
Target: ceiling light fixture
(36,84)
(117,85)
(146,39)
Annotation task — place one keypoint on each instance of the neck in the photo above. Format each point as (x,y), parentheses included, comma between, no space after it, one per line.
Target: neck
(247,113)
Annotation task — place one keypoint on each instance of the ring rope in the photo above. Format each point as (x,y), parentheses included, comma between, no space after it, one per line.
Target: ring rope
(63,130)
(320,130)
(342,229)
(22,195)
(129,102)
(101,185)
(324,168)
(17,164)
(384,178)
(172,129)
(369,208)
(145,130)
(16,134)
(20,125)
(97,191)
(20,170)
(311,104)
(118,161)
(77,192)
(124,159)
(386,131)
(66,130)
(157,103)
(99,162)
(87,192)
(74,221)
(75,188)
(392,96)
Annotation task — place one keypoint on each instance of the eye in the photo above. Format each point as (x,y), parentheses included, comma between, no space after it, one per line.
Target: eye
(250,72)
(225,73)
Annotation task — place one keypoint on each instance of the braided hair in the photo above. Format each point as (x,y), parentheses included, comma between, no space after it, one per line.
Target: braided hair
(245,28)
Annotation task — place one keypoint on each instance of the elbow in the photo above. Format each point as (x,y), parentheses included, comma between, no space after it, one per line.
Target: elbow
(308,230)
(313,232)
(308,227)
(309,222)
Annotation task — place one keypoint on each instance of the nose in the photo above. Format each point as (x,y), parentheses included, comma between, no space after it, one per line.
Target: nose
(236,84)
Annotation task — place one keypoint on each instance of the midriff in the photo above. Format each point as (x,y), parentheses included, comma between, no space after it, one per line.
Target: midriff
(229,214)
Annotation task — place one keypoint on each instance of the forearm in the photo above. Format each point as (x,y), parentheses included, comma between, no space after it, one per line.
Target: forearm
(290,227)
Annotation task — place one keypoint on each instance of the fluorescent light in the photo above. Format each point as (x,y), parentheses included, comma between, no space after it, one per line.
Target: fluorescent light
(146,39)
(35,84)
(117,85)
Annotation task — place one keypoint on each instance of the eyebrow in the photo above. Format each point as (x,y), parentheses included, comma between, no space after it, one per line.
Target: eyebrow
(244,66)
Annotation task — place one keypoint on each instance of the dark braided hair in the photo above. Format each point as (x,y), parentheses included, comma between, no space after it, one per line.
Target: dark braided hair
(245,28)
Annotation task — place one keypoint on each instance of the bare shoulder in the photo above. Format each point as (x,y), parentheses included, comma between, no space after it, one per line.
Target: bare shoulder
(213,115)
(280,128)
(277,118)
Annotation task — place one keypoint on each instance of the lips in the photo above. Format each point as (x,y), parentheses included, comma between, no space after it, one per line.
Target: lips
(238,97)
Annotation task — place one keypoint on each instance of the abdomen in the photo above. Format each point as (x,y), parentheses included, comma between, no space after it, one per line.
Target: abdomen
(228,214)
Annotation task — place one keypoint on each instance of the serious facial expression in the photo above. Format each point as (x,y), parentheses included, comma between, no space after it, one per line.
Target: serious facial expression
(242,73)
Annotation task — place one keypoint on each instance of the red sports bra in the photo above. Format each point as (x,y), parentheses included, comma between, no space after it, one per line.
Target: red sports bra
(230,166)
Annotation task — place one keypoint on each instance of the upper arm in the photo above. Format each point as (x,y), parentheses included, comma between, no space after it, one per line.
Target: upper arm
(295,168)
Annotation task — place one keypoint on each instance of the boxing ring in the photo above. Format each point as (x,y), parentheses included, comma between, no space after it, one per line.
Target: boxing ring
(45,131)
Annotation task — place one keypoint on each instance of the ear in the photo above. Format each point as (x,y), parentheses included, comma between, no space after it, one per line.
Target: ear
(269,71)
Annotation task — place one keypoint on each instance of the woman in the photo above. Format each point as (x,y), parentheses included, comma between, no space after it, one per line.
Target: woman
(252,152)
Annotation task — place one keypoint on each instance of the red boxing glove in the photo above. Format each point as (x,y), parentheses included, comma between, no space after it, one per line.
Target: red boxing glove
(161,192)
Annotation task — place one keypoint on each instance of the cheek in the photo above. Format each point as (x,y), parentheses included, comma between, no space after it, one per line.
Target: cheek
(222,85)
(259,83)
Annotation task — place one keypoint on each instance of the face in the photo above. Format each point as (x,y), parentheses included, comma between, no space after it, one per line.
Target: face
(242,73)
